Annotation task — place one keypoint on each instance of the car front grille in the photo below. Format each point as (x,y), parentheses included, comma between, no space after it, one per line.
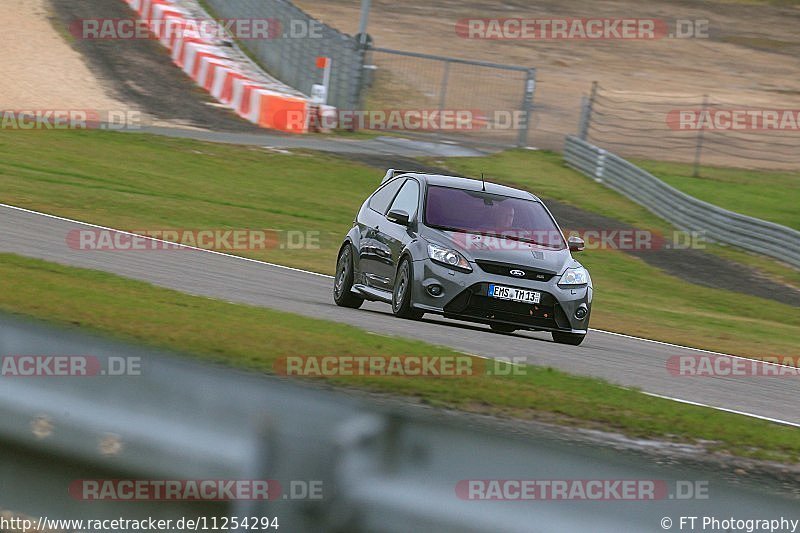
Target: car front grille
(504,269)
(474,303)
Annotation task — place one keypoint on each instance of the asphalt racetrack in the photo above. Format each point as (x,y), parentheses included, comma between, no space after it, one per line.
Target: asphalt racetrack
(619,359)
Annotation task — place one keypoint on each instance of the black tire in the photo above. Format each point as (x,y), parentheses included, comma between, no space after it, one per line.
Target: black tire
(573,339)
(503,328)
(343,282)
(401,295)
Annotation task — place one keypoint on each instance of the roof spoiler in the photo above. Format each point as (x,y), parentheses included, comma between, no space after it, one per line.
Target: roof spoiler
(392,172)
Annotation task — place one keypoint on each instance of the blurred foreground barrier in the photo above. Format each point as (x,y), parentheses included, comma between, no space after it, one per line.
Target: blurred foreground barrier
(683,211)
(334,461)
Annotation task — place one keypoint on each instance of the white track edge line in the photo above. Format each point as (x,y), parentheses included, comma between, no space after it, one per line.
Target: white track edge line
(724,409)
(331,277)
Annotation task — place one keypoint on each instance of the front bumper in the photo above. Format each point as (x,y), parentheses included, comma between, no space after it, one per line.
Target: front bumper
(464,296)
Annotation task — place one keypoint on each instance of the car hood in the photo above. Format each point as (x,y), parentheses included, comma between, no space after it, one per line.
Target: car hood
(483,248)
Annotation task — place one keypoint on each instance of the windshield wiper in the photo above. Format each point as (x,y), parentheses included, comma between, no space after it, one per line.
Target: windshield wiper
(522,239)
(450,228)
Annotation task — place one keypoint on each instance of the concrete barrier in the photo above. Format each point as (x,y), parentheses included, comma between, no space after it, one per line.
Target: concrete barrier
(232,82)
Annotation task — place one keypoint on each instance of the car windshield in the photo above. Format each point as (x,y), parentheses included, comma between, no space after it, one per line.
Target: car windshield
(491,214)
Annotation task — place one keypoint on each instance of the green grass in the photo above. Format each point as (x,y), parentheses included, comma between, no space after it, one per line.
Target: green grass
(143,182)
(773,196)
(139,182)
(254,338)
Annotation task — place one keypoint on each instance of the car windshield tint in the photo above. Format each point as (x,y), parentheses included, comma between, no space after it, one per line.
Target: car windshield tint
(490,214)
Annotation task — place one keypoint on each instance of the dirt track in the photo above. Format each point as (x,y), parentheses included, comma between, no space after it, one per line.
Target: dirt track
(752,55)
(141,72)
(40,69)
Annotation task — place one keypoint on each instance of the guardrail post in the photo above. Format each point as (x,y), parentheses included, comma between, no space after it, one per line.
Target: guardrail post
(527,107)
(601,165)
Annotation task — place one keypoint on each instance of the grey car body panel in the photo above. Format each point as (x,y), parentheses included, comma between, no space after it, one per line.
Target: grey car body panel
(381,244)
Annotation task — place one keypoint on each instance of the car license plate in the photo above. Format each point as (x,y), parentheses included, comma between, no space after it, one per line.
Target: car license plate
(515,295)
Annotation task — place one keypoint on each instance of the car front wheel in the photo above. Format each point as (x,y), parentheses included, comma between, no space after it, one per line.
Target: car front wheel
(573,339)
(401,295)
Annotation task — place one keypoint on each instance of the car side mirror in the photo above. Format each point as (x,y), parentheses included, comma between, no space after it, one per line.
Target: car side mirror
(398,216)
(575,244)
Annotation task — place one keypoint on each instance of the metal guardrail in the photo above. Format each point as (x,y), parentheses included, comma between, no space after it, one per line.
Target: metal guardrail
(684,211)
(381,465)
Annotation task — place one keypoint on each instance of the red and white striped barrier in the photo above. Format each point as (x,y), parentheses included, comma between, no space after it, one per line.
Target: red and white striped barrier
(211,66)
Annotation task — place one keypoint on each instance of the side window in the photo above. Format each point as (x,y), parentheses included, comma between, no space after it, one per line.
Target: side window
(380,200)
(408,198)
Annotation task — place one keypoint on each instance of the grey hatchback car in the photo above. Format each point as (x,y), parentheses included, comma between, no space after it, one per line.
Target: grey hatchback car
(468,250)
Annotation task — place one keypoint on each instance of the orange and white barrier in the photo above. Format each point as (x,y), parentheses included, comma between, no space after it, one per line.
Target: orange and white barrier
(212,67)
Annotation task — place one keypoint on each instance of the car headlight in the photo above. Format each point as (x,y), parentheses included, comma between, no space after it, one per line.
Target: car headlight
(448,257)
(574,276)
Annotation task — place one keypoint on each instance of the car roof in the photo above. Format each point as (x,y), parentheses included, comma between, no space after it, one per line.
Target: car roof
(469,184)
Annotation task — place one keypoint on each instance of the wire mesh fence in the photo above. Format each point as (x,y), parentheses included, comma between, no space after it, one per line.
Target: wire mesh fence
(697,129)
(291,54)
(497,98)
(434,95)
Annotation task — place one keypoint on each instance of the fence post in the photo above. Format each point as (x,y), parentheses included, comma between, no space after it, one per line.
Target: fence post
(361,49)
(586,115)
(363,21)
(699,147)
(527,107)
(443,91)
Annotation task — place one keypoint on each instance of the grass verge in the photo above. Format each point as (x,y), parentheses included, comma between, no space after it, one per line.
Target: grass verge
(132,181)
(768,195)
(255,338)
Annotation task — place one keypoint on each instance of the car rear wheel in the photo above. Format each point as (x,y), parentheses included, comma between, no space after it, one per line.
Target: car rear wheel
(568,338)
(343,282)
(401,295)
(502,328)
